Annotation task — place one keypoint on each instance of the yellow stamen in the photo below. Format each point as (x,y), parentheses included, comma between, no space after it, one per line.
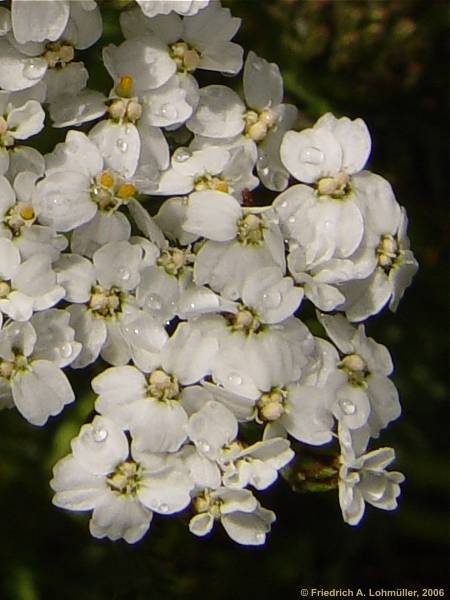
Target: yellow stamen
(107,180)
(221,186)
(125,86)
(27,213)
(125,191)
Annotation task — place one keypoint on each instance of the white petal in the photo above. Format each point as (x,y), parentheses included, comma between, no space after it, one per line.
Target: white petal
(213,215)
(311,154)
(100,446)
(41,392)
(119,516)
(120,145)
(38,21)
(263,84)
(158,427)
(219,113)
(248,529)
(75,488)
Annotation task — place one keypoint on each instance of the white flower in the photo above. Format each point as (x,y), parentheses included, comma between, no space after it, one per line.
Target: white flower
(255,465)
(239,241)
(363,478)
(211,168)
(105,314)
(151,405)
(26,286)
(20,119)
(241,515)
(262,119)
(327,156)
(254,358)
(331,147)
(326,227)
(78,183)
(123,490)
(363,393)
(18,219)
(200,41)
(51,63)
(319,279)
(30,373)
(151,8)
(385,253)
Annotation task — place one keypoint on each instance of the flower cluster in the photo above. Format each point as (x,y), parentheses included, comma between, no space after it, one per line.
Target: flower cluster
(214,384)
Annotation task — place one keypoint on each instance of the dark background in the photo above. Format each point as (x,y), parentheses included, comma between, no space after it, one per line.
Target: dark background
(387,63)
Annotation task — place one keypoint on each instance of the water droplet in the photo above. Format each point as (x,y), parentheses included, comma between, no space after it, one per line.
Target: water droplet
(291,220)
(260,537)
(33,70)
(264,172)
(66,350)
(124,274)
(272,299)
(347,406)
(132,331)
(55,200)
(168,111)
(153,302)
(235,378)
(203,446)
(164,508)
(122,145)
(99,435)
(149,56)
(284,204)
(311,156)
(192,306)
(182,154)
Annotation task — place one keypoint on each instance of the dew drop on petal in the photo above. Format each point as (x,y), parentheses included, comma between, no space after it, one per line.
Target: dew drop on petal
(311,156)
(235,379)
(168,111)
(153,302)
(99,435)
(272,299)
(260,537)
(164,508)
(122,145)
(291,220)
(32,70)
(182,154)
(284,204)
(55,200)
(203,446)
(149,56)
(347,406)
(124,274)
(66,350)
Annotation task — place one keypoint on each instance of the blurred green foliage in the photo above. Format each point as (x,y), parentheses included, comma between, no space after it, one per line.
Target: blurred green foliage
(385,62)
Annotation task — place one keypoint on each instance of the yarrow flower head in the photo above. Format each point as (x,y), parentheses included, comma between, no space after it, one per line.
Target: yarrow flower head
(175,243)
